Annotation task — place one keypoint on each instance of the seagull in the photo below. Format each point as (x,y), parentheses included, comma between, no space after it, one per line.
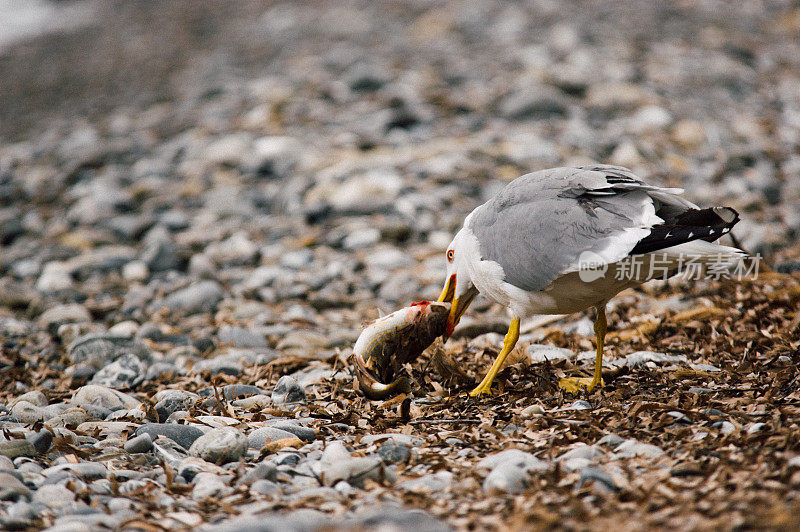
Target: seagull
(562,240)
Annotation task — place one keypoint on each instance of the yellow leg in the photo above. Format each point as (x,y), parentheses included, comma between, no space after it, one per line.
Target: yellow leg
(508,344)
(573,385)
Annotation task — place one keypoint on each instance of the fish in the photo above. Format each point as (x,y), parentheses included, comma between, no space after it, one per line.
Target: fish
(386,344)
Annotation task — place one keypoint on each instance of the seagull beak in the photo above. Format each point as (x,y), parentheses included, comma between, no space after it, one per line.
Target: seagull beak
(458,304)
(449,290)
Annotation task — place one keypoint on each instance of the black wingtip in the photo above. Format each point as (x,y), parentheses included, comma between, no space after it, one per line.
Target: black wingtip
(693,224)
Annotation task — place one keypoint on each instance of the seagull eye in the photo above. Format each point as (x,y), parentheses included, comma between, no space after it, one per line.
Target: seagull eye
(450,255)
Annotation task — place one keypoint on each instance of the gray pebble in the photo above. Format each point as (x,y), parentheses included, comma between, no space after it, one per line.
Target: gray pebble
(183,435)
(140,444)
(392,452)
(259,472)
(41,440)
(26,412)
(199,297)
(125,372)
(85,470)
(264,487)
(304,433)
(34,397)
(102,396)
(428,484)
(633,448)
(611,440)
(12,489)
(264,435)
(288,390)
(99,349)
(53,496)
(240,337)
(14,448)
(220,446)
(598,475)
(55,316)
(209,485)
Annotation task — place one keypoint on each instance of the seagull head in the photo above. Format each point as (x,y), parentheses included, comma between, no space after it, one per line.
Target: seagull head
(458,290)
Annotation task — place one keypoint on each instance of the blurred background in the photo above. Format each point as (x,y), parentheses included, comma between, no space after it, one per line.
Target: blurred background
(349,124)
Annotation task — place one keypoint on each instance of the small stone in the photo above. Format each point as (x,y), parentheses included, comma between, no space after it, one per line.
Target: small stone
(640,358)
(233,251)
(126,328)
(392,452)
(15,448)
(253,403)
(288,390)
(72,416)
(26,412)
(106,429)
(209,485)
(41,441)
(532,411)
(589,452)
(611,440)
(55,316)
(398,438)
(240,337)
(183,435)
(598,475)
(55,276)
(170,452)
(34,397)
(259,472)
(53,496)
(307,434)
(94,395)
(298,259)
(264,435)
(538,353)
(190,466)
(507,477)
(19,516)
(85,470)
(199,297)
(220,446)
(276,156)
(265,487)
(362,238)
(98,350)
(125,372)
(336,464)
(140,444)
(169,401)
(688,133)
(633,448)
(521,458)
(580,404)
(12,489)
(135,271)
(428,484)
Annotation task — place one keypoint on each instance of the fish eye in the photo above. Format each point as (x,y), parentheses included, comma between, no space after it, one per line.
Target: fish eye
(450,255)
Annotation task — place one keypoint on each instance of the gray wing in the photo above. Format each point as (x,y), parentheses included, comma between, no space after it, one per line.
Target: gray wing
(538,226)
